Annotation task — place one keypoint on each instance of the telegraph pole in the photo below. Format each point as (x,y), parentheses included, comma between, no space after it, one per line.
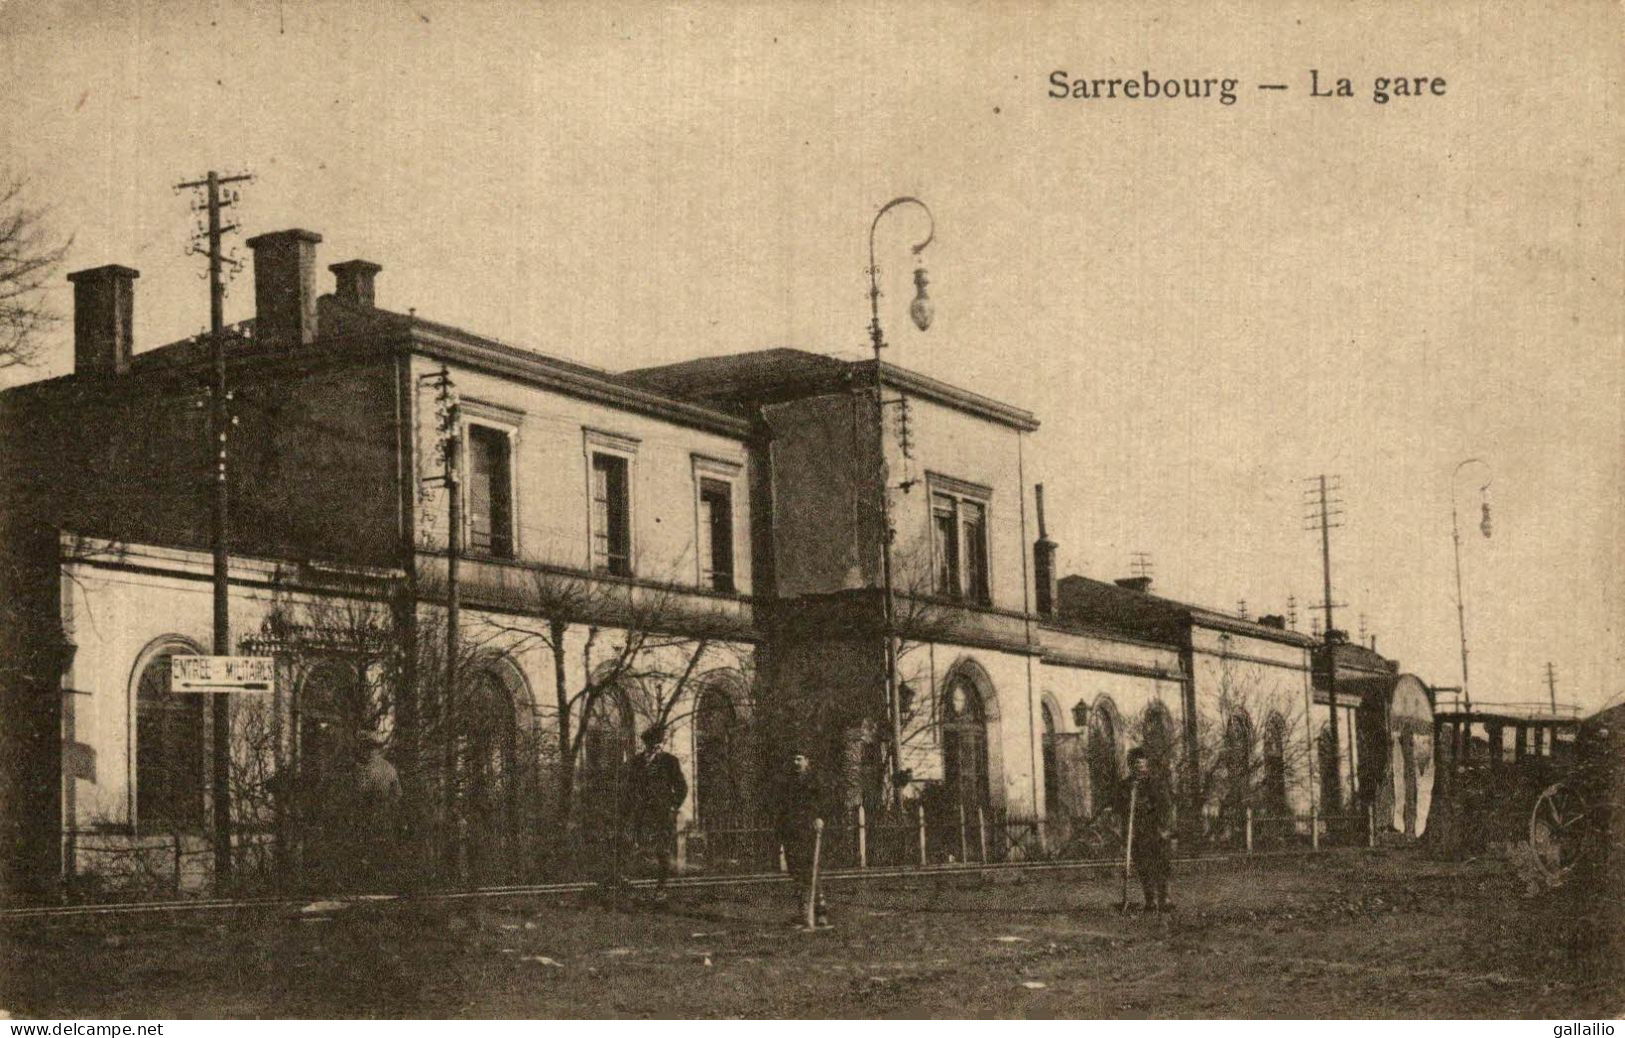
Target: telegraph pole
(1324,511)
(447,410)
(1551,686)
(219,426)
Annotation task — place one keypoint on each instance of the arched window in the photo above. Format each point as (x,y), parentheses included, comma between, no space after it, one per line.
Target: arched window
(1272,791)
(1104,754)
(1052,773)
(607,744)
(493,778)
(1238,767)
(1331,796)
(169,764)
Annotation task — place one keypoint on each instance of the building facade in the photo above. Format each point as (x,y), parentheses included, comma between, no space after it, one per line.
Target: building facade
(740,549)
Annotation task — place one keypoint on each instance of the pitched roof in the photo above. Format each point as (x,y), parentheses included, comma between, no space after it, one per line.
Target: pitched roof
(1148,615)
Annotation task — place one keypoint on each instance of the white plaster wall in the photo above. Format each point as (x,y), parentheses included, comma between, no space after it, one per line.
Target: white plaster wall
(551,477)
(953,443)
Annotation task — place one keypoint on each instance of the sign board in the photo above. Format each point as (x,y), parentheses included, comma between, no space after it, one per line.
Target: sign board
(221,673)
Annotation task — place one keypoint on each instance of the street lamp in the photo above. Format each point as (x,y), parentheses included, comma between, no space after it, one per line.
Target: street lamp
(921,312)
(1455,535)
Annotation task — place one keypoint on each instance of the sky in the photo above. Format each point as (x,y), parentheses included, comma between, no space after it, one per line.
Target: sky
(1205,304)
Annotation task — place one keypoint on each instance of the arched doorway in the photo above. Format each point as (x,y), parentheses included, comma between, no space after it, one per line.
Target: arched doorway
(1052,763)
(962,806)
(331,710)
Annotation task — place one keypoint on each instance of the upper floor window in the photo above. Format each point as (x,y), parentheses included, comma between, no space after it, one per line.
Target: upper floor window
(490,491)
(611,515)
(169,765)
(959,542)
(716,540)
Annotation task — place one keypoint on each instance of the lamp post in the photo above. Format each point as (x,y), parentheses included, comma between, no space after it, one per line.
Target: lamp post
(920,311)
(1455,536)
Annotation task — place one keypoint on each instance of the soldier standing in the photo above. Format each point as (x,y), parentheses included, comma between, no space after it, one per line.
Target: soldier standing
(1151,822)
(657,790)
(800,804)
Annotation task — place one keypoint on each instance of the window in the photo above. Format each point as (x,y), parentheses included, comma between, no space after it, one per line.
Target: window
(945,523)
(959,543)
(611,515)
(490,492)
(168,752)
(716,535)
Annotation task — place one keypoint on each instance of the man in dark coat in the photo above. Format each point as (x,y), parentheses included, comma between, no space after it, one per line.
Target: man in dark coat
(800,803)
(1152,823)
(656,790)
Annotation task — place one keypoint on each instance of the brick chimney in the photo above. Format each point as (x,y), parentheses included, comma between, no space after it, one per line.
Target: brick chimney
(285,287)
(1043,561)
(355,282)
(103,309)
(1140,584)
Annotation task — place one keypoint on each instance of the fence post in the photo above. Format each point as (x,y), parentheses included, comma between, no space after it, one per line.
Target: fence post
(1371,825)
(863,839)
(981,831)
(1314,828)
(1249,828)
(964,847)
(919,810)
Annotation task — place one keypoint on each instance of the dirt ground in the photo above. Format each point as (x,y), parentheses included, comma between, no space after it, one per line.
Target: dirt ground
(1360,934)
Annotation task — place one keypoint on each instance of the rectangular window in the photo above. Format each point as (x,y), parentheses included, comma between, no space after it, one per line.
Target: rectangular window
(490,492)
(959,540)
(716,538)
(945,525)
(973,535)
(611,516)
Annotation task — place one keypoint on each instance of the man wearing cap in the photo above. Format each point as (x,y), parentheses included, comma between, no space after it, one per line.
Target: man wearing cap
(800,807)
(1151,822)
(657,789)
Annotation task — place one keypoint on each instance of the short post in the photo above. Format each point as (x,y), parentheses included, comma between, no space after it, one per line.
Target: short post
(964,848)
(919,811)
(981,831)
(1314,828)
(1249,828)
(1371,825)
(863,839)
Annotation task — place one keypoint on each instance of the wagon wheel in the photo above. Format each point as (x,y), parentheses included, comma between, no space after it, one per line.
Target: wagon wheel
(1557,830)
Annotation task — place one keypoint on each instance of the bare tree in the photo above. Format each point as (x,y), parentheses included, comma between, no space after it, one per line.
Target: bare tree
(29,259)
(635,651)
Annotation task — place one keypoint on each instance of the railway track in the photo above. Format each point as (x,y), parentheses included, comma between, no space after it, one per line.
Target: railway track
(48,912)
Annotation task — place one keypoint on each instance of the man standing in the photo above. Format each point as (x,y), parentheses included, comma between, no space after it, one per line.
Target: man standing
(1145,803)
(377,821)
(657,790)
(800,803)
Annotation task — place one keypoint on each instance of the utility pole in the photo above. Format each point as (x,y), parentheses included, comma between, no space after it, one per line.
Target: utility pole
(449,448)
(1551,686)
(920,312)
(219,426)
(1324,511)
